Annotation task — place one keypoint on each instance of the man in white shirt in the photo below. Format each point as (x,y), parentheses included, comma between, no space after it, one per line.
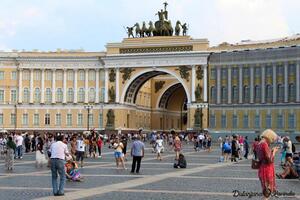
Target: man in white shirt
(80,149)
(19,143)
(59,151)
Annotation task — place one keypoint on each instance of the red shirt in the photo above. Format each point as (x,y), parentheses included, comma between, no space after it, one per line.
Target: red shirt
(99,142)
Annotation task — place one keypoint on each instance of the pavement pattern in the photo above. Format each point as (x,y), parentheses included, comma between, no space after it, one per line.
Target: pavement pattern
(204,178)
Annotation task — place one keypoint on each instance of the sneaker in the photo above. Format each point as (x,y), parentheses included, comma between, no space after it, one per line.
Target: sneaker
(99,156)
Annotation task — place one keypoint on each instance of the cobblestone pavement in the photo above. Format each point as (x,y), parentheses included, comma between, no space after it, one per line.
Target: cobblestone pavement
(204,178)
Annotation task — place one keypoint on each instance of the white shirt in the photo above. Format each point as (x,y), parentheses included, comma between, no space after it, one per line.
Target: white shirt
(80,145)
(159,143)
(19,140)
(59,150)
(200,137)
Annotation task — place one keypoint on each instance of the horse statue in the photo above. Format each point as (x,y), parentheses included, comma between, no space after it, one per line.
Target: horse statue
(150,30)
(184,29)
(143,30)
(130,31)
(137,30)
(163,28)
(177,28)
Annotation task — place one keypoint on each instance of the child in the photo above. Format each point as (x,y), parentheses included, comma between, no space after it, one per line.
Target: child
(72,172)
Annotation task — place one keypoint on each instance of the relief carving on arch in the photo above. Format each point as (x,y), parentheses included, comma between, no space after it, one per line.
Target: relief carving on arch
(126,73)
(158,85)
(198,93)
(112,75)
(184,72)
(112,94)
(199,73)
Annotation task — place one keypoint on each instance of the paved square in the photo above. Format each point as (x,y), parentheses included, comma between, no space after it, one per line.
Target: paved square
(205,178)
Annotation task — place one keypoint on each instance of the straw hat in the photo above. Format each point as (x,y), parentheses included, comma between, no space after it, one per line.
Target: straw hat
(270,135)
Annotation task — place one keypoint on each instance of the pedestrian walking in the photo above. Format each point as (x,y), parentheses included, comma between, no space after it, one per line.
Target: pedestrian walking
(80,150)
(59,151)
(246,147)
(99,145)
(9,152)
(19,144)
(119,156)
(177,147)
(137,153)
(159,147)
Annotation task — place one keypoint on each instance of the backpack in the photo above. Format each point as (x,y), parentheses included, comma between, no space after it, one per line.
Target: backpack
(227,147)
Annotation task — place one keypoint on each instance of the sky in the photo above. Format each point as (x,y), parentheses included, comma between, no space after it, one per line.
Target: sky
(90,24)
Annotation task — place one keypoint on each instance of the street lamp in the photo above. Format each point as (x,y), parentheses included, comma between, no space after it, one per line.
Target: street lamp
(88,108)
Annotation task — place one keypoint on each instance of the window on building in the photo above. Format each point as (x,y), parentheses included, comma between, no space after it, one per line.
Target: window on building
(257,94)
(102,94)
(269,93)
(25,75)
(268,121)
(25,120)
(257,72)
(58,119)
(234,121)
(92,95)
(92,75)
(223,121)
(91,120)
(246,72)
(81,95)
(1,75)
(1,96)
(36,119)
(69,119)
(37,75)
(47,119)
(59,95)
(48,74)
(246,121)
(257,121)
(101,120)
(212,121)
(102,76)
(81,75)
(14,75)
(213,74)
(224,94)
(70,95)
(235,72)
(235,95)
(280,70)
(291,121)
(280,93)
(70,75)
(292,92)
(292,69)
(269,71)
(1,119)
(279,121)
(224,73)
(59,75)
(37,95)
(213,94)
(80,119)
(48,95)
(13,119)
(246,94)
(13,96)
(26,95)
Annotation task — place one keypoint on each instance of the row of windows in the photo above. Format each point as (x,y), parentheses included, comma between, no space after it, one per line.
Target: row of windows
(58,119)
(257,71)
(257,121)
(257,93)
(13,75)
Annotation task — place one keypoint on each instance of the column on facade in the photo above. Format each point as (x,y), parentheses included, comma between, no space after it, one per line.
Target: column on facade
(53,86)
(298,82)
(205,81)
(193,82)
(117,85)
(251,84)
(218,85)
(240,85)
(274,83)
(31,86)
(75,86)
(43,86)
(86,86)
(229,85)
(97,86)
(106,86)
(65,87)
(286,82)
(20,86)
(263,82)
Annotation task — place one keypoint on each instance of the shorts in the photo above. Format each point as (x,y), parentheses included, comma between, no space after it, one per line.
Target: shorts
(79,155)
(118,154)
(288,155)
(227,151)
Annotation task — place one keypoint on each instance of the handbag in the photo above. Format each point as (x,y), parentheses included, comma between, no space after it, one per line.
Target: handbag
(255,164)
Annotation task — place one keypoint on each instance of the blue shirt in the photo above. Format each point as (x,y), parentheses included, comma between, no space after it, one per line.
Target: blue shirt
(137,148)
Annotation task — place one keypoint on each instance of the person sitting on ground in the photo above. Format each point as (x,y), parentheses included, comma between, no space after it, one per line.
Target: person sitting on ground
(181,163)
(290,171)
(72,172)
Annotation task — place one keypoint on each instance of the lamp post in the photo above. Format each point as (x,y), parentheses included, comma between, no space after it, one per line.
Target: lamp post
(88,108)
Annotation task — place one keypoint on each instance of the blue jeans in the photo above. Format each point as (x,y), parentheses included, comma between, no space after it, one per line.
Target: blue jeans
(19,151)
(58,166)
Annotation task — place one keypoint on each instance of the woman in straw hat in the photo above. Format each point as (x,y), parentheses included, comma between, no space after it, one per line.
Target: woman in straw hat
(266,172)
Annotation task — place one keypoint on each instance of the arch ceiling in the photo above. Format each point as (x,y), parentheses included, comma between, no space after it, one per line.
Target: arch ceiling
(163,102)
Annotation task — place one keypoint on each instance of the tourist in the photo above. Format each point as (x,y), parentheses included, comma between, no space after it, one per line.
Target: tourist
(59,151)
(177,147)
(137,153)
(73,147)
(27,143)
(226,150)
(241,146)
(208,143)
(49,142)
(200,140)
(289,147)
(2,145)
(266,171)
(234,149)
(246,147)
(33,143)
(118,146)
(9,158)
(99,145)
(159,147)
(40,155)
(254,146)
(80,150)
(290,170)
(92,146)
(124,142)
(19,143)
(72,172)
(181,163)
